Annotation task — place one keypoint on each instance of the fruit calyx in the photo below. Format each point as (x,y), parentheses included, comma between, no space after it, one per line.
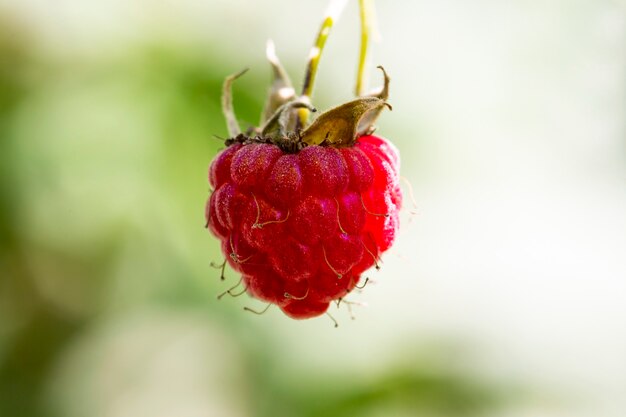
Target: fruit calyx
(284,120)
(339,126)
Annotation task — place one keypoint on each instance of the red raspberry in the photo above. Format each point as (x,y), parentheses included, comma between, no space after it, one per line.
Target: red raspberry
(302,227)
(303,210)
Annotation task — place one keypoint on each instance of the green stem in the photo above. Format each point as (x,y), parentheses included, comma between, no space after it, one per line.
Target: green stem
(334,10)
(365,12)
(314,57)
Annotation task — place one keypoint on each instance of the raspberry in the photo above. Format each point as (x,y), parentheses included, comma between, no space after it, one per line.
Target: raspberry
(302,227)
(302,211)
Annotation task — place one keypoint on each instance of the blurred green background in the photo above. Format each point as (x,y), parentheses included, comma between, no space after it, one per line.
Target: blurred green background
(504,294)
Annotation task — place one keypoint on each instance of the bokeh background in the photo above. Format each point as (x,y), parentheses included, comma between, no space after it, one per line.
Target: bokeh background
(504,296)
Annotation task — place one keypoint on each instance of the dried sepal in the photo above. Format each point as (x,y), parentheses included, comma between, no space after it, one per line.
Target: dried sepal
(339,126)
(281,90)
(227,104)
(366,124)
(277,126)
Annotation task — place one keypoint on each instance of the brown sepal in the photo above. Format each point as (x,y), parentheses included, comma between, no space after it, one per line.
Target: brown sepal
(339,126)
(366,125)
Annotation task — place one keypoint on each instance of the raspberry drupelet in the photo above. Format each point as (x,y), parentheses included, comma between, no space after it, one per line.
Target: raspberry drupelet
(303,210)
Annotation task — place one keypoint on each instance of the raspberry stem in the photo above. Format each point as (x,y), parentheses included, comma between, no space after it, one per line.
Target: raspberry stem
(332,14)
(365,11)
